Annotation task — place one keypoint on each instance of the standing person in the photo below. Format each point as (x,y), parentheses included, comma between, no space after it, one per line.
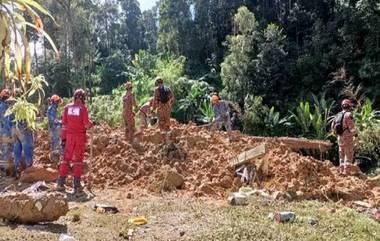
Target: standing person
(163,101)
(144,113)
(129,102)
(23,141)
(4,95)
(222,114)
(75,121)
(344,126)
(54,127)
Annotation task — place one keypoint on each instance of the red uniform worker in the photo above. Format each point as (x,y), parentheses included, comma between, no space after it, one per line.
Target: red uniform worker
(129,102)
(75,121)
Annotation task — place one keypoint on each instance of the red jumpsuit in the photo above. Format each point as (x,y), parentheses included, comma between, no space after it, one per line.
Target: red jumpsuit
(163,110)
(75,121)
(346,140)
(129,103)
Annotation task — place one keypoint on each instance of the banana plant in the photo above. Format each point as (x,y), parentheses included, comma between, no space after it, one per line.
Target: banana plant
(13,27)
(13,40)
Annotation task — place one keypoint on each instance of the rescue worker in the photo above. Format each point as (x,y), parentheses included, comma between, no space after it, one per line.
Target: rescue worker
(75,121)
(23,142)
(129,103)
(54,127)
(222,114)
(4,95)
(144,113)
(344,128)
(163,101)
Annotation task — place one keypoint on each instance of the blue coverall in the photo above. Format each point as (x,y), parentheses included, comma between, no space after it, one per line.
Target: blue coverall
(54,128)
(6,134)
(3,108)
(23,141)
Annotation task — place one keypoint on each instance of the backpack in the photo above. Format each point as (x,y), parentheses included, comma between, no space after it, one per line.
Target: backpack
(164,94)
(338,127)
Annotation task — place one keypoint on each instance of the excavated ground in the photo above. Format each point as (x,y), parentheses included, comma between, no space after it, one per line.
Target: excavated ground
(202,158)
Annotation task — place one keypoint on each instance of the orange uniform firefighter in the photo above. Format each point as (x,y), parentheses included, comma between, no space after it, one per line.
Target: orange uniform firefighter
(129,102)
(344,128)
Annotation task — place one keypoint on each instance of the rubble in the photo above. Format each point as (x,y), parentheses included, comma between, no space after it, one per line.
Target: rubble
(202,159)
(36,173)
(32,207)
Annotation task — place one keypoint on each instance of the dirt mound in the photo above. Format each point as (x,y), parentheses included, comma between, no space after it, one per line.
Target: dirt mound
(202,158)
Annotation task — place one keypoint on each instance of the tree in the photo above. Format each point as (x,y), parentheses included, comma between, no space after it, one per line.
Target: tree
(272,77)
(238,67)
(131,27)
(149,22)
(175,25)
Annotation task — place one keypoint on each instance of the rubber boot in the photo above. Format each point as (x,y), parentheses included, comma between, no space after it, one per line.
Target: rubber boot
(77,186)
(17,174)
(61,184)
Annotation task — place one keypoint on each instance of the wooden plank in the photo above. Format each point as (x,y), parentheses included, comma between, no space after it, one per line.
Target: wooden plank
(248,155)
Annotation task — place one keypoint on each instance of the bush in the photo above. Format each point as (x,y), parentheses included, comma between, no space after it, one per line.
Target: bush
(259,119)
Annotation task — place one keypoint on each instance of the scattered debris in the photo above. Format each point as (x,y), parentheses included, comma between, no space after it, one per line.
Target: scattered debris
(140,220)
(103,208)
(238,198)
(37,187)
(65,237)
(376,215)
(248,155)
(127,233)
(312,221)
(283,217)
(32,207)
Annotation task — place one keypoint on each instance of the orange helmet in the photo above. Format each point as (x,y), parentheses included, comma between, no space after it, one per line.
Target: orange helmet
(55,99)
(128,85)
(215,99)
(5,94)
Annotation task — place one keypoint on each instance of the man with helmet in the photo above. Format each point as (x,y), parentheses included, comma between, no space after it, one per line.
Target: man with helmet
(54,126)
(75,121)
(163,101)
(222,113)
(5,130)
(129,103)
(344,127)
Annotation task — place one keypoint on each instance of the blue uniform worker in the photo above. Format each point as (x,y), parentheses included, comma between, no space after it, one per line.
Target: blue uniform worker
(23,141)
(4,95)
(54,124)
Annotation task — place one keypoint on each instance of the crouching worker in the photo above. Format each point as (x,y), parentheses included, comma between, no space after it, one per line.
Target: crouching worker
(54,127)
(144,113)
(75,121)
(222,114)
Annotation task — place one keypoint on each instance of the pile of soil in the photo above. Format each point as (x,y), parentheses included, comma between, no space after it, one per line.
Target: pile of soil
(202,158)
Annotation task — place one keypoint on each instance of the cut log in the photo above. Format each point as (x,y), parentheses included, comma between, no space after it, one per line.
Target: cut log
(297,143)
(31,208)
(248,155)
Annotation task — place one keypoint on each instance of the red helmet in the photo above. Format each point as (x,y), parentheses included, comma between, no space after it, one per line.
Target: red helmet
(55,99)
(5,94)
(79,94)
(347,103)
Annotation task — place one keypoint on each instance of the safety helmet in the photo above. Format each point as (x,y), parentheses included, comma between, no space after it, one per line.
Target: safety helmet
(80,94)
(5,94)
(215,99)
(55,99)
(128,85)
(347,103)
(159,80)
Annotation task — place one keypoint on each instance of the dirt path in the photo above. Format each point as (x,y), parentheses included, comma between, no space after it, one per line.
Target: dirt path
(179,217)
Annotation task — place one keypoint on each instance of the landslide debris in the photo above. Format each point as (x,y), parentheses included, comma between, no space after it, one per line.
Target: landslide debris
(202,158)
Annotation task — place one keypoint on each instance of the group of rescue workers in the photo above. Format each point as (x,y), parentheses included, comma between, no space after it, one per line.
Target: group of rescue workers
(68,134)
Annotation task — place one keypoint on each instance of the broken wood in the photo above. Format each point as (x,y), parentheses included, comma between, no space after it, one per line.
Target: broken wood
(248,155)
(297,143)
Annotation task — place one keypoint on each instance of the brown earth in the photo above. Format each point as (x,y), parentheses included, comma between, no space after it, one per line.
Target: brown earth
(33,207)
(202,158)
